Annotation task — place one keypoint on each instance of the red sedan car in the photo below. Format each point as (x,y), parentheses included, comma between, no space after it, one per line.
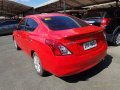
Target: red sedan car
(60,44)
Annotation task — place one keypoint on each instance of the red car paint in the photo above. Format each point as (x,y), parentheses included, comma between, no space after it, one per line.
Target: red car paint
(73,39)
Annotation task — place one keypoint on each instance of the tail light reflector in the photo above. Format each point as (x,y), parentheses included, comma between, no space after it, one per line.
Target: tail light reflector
(57,48)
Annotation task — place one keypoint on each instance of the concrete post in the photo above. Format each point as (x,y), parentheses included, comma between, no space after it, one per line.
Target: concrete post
(64,5)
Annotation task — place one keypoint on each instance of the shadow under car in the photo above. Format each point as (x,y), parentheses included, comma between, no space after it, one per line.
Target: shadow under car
(84,76)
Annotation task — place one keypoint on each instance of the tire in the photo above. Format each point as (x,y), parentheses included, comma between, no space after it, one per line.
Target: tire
(38,66)
(16,46)
(116,40)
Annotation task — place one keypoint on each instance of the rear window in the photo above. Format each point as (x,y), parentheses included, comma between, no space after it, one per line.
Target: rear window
(94,14)
(63,22)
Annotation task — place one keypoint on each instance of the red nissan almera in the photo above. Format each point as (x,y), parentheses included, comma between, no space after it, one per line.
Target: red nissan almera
(60,44)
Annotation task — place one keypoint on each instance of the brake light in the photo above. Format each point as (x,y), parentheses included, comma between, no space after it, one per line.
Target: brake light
(105,22)
(57,48)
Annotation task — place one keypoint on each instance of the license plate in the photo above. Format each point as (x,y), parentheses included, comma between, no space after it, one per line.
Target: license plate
(89,45)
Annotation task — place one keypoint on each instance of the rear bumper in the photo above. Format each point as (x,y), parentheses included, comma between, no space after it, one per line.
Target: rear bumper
(70,65)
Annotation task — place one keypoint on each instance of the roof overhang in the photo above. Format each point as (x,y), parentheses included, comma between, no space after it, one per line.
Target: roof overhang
(57,5)
(104,5)
(11,8)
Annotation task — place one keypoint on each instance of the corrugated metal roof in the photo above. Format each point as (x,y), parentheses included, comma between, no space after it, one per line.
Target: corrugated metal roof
(55,5)
(10,8)
(105,5)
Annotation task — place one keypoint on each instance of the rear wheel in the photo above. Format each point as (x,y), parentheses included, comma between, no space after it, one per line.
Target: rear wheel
(16,46)
(117,39)
(38,66)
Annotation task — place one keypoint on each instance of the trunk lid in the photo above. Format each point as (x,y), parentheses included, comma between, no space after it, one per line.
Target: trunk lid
(74,39)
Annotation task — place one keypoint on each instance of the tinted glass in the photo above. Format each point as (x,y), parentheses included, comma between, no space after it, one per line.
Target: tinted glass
(31,24)
(14,22)
(21,26)
(80,22)
(63,22)
(8,22)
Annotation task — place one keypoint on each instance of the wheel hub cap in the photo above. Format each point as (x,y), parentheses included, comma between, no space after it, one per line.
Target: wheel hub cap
(37,64)
(15,43)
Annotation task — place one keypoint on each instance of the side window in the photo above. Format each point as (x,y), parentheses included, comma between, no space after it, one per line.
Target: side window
(31,24)
(21,26)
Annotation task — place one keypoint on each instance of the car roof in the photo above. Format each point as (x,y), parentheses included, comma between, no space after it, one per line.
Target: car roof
(46,15)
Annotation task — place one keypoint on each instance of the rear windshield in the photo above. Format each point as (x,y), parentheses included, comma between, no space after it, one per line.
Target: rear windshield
(63,22)
(94,14)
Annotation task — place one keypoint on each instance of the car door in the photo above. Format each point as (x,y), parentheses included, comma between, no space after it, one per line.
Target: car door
(18,34)
(30,27)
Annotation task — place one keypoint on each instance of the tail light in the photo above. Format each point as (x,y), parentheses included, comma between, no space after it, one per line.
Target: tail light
(105,22)
(57,48)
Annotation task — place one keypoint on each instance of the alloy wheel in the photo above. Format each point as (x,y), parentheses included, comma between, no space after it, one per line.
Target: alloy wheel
(118,39)
(37,63)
